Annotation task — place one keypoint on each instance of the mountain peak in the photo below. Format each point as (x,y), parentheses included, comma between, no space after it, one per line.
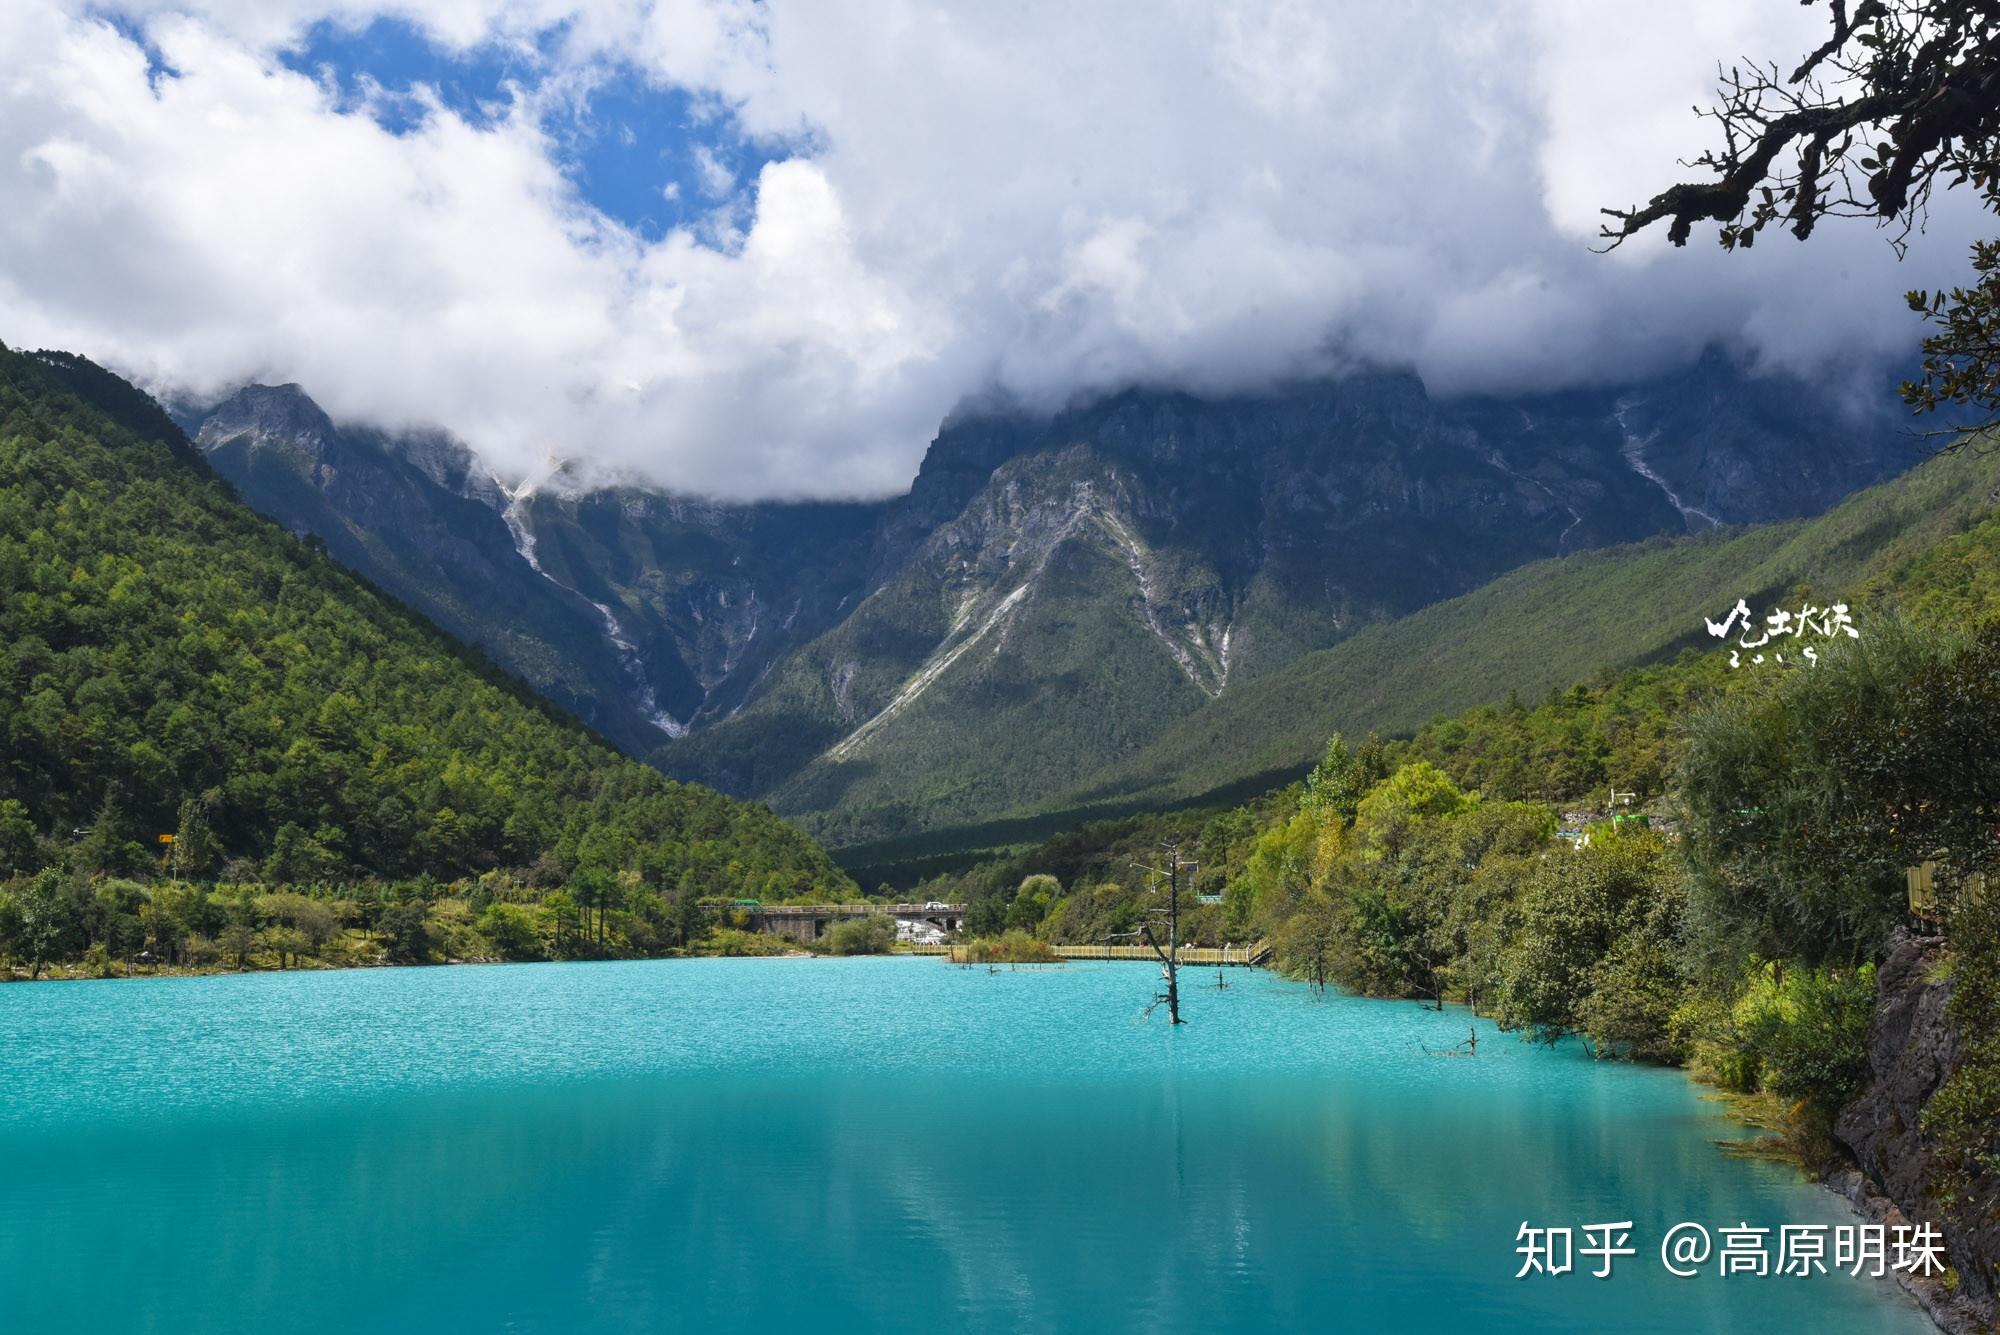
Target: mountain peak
(268,414)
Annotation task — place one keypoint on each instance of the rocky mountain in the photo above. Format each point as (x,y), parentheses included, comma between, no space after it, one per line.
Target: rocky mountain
(1052,594)
(643,614)
(1140,561)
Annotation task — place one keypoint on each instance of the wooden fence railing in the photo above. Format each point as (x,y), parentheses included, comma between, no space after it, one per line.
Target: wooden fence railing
(1191,957)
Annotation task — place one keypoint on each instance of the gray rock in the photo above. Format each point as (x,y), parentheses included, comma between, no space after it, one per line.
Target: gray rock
(1911,1050)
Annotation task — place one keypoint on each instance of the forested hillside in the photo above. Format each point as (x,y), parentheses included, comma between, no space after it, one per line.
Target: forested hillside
(1752,922)
(1566,748)
(1539,628)
(173,664)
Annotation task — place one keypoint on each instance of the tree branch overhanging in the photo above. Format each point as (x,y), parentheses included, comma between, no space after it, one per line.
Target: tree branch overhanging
(1903,93)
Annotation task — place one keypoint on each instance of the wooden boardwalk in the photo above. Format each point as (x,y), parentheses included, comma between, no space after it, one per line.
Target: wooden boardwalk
(1192,957)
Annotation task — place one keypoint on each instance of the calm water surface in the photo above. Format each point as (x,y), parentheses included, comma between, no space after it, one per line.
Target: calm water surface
(839,1145)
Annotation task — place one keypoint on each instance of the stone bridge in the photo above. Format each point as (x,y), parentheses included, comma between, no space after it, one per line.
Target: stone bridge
(927,923)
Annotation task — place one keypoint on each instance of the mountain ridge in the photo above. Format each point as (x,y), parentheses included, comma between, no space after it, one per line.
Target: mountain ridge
(1274,526)
(1492,645)
(861,664)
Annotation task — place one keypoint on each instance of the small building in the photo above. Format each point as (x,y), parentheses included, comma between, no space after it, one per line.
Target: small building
(920,933)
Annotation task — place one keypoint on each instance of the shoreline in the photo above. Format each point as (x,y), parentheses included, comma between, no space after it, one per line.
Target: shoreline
(76,972)
(71,973)
(1939,1300)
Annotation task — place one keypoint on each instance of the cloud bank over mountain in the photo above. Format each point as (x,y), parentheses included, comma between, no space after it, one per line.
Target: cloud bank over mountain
(880,209)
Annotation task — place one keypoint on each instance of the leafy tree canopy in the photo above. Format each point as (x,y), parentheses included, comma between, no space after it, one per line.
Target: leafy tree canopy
(187,689)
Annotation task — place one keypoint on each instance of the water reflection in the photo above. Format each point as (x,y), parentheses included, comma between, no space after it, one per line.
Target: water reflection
(882,1146)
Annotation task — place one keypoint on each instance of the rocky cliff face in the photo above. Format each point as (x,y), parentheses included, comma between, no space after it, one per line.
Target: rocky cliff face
(1911,1049)
(706,597)
(1751,450)
(444,550)
(643,614)
(1051,593)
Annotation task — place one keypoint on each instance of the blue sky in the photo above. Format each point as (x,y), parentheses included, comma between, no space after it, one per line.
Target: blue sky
(633,147)
(852,218)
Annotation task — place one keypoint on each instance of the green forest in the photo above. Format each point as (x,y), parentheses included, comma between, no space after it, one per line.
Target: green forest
(218,747)
(1534,631)
(1727,911)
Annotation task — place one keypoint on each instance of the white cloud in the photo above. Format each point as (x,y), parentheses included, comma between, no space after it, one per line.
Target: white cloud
(715,179)
(1042,197)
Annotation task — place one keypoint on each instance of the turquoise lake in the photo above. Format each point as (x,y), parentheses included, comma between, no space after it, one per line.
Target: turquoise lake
(842,1145)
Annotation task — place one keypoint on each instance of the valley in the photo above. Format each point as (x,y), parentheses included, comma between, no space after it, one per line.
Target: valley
(1055,600)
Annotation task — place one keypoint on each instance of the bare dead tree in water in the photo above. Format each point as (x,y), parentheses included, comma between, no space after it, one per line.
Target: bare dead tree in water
(1433,965)
(1901,97)
(1465,1047)
(1172,867)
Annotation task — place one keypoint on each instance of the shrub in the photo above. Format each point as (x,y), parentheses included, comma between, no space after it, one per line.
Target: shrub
(405,937)
(510,930)
(1716,1053)
(1809,1030)
(1010,948)
(1964,1114)
(1635,991)
(734,941)
(873,935)
(97,962)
